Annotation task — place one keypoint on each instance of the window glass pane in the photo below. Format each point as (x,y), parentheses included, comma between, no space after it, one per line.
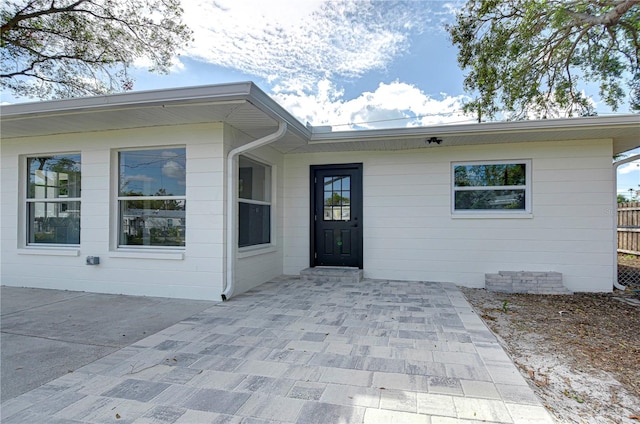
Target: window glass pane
(490,175)
(54,222)
(159,172)
(337,198)
(254,220)
(490,199)
(344,198)
(254,180)
(152,222)
(53,177)
(337,213)
(255,224)
(337,184)
(346,183)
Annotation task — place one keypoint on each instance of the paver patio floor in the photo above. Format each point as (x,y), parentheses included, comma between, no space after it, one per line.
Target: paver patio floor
(297,351)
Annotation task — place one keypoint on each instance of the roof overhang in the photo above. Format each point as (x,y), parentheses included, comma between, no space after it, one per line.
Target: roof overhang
(624,130)
(248,109)
(241,105)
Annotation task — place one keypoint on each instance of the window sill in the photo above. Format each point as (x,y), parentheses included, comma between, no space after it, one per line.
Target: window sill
(51,251)
(134,254)
(247,252)
(491,215)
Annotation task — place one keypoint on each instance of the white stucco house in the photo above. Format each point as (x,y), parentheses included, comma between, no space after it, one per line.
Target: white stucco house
(206,192)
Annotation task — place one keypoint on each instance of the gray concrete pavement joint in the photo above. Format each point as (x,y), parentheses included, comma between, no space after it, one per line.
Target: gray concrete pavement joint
(113,346)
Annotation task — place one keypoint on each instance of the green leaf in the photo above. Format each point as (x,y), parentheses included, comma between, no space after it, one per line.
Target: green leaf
(527,57)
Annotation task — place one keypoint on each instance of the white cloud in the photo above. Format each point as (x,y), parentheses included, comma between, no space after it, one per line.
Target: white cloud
(294,42)
(140,177)
(306,49)
(390,105)
(166,154)
(629,167)
(173,169)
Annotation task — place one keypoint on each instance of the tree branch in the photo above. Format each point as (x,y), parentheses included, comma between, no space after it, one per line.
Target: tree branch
(13,22)
(610,18)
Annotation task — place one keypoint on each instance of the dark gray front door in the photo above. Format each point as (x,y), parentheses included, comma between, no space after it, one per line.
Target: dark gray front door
(336,215)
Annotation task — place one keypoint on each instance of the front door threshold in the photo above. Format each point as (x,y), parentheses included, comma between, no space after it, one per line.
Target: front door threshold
(321,274)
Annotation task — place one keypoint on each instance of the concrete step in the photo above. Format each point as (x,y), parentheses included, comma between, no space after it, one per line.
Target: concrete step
(332,274)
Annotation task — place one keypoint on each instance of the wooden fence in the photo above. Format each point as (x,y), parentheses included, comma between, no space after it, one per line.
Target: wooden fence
(629,228)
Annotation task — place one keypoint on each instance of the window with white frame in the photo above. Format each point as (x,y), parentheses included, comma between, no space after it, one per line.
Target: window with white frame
(254,202)
(492,186)
(53,199)
(152,197)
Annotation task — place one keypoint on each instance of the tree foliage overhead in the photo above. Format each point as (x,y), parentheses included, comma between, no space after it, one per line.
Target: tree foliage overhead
(534,56)
(70,48)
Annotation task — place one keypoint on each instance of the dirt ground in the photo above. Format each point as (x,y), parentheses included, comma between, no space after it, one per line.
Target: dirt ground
(580,353)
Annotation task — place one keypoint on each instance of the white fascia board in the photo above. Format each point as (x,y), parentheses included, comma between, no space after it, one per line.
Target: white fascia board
(221,92)
(565,124)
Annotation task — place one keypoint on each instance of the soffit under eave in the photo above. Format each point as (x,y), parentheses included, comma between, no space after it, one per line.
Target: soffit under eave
(240,114)
(248,118)
(625,144)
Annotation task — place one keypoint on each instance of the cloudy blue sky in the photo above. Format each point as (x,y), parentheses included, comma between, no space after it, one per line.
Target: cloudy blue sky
(629,180)
(351,64)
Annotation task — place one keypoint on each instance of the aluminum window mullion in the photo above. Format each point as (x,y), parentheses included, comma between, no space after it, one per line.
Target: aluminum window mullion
(152,197)
(54,199)
(255,202)
(474,188)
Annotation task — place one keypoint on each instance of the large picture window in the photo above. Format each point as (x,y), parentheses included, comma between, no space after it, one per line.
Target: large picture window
(152,197)
(53,199)
(254,203)
(497,186)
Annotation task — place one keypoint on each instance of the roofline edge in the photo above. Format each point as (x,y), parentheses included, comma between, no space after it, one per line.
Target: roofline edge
(218,91)
(485,127)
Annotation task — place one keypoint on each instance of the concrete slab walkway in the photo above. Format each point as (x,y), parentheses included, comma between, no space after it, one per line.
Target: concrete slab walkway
(293,351)
(48,333)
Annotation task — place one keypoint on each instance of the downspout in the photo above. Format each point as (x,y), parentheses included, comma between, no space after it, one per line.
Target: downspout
(232,200)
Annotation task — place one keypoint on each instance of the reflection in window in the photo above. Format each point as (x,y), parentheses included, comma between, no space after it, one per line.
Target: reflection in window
(254,202)
(53,199)
(492,186)
(151,197)
(337,198)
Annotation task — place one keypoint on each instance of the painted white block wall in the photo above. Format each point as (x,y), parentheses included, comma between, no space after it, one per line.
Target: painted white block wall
(196,272)
(410,233)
